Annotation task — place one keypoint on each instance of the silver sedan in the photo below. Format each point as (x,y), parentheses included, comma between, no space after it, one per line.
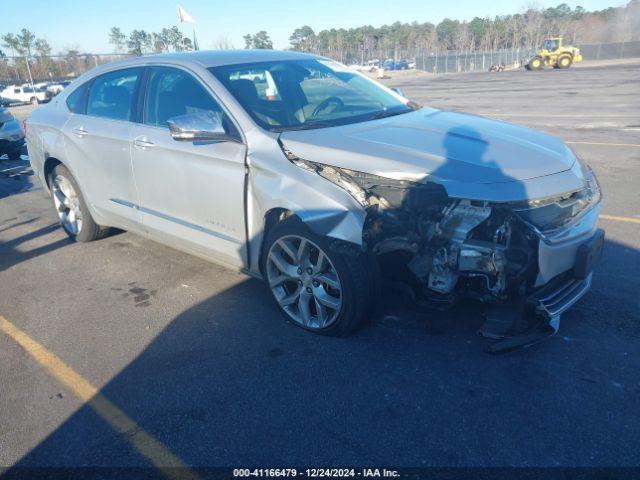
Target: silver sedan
(330,186)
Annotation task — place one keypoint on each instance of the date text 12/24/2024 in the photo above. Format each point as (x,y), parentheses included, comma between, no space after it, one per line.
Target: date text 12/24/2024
(316,472)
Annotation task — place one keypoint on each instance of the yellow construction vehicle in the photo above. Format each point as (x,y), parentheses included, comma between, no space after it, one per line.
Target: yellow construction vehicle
(554,54)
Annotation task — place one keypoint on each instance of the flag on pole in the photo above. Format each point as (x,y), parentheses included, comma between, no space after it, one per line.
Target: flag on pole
(184,16)
(195,41)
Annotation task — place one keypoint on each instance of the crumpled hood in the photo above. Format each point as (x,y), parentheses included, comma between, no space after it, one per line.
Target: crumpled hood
(452,148)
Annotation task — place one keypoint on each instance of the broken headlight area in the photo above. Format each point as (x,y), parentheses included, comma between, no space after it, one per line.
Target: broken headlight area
(551,215)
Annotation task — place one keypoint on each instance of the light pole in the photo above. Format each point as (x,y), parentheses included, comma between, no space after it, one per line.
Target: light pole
(26,58)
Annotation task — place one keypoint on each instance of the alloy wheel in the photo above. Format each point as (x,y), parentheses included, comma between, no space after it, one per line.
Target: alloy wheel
(67,203)
(304,282)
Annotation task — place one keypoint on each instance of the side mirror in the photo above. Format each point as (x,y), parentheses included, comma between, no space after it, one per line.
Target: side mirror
(197,127)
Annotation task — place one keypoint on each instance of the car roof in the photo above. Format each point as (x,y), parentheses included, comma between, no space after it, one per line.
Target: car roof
(211,58)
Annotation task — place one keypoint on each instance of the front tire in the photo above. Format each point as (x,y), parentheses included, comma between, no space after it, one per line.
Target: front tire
(315,287)
(15,154)
(75,218)
(535,63)
(34,101)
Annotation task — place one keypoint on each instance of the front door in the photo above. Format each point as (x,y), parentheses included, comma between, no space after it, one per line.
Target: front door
(190,193)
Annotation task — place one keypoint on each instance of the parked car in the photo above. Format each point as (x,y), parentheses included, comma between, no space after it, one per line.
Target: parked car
(24,94)
(11,135)
(57,87)
(337,185)
(396,65)
(372,65)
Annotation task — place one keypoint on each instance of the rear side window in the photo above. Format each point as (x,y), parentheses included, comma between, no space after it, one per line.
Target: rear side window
(173,92)
(76,100)
(111,95)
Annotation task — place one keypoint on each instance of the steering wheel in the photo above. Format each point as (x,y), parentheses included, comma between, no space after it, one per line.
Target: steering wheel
(325,103)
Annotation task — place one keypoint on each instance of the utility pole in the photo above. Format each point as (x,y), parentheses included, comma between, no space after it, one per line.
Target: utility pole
(29,72)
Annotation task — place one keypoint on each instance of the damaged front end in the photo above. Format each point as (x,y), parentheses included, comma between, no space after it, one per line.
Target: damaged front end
(445,249)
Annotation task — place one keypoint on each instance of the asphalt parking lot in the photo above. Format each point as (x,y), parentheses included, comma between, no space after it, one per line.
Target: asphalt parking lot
(197,358)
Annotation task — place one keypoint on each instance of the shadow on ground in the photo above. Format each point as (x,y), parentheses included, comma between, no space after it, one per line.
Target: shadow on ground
(15,176)
(230,383)
(11,252)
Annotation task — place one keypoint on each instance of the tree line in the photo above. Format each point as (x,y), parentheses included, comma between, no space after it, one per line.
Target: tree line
(25,44)
(520,30)
(71,62)
(526,30)
(139,42)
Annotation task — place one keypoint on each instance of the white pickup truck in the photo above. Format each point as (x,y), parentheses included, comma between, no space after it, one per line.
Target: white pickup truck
(24,94)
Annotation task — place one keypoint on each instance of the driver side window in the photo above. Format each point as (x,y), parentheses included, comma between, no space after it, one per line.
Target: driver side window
(172,92)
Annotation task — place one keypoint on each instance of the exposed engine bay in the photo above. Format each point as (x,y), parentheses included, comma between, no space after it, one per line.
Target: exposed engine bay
(445,249)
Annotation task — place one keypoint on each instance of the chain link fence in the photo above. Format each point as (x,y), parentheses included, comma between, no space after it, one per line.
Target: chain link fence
(478,61)
(16,70)
(610,51)
(472,60)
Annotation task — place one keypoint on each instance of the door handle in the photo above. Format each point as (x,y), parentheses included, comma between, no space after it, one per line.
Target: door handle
(80,132)
(142,143)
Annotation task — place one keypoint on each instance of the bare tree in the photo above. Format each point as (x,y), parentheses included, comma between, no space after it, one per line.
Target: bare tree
(223,43)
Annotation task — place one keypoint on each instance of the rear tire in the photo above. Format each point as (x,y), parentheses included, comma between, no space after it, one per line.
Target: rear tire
(75,218)
(315,287)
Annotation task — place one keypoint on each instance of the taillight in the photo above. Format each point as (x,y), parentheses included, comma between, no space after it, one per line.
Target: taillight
(24,126)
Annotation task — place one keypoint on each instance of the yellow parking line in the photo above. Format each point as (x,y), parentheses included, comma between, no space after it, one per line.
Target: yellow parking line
(605,143)
(159,455)
(620,219)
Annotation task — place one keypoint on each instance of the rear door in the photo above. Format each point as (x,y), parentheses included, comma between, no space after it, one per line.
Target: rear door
(97,141)
(191,193)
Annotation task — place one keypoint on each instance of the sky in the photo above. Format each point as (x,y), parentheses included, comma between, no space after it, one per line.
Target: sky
(84,25)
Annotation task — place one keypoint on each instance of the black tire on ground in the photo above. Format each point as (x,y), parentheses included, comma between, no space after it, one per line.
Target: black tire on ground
(90,230)
(14,154)
(358,275)
(535,63)
(34,100)
(564,61)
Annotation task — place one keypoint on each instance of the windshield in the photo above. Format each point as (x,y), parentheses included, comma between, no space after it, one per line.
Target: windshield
(301,94)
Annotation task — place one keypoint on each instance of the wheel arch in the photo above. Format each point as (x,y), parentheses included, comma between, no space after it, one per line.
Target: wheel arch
(278,214)
(271,218)
(49,164)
